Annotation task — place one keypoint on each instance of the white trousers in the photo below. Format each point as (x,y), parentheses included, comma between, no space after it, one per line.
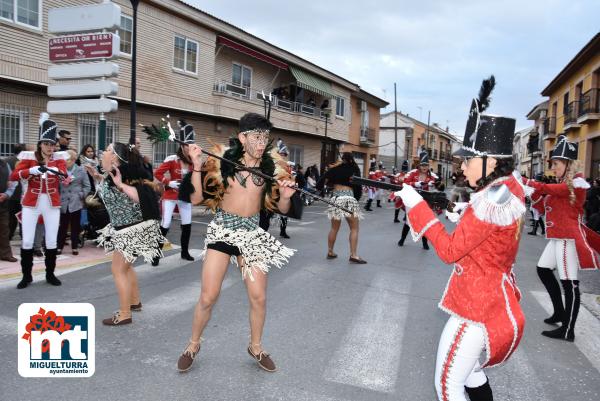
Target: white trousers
(457,364)
(374,193)
(29,218)
(168,206)
(536,214)
(561,254)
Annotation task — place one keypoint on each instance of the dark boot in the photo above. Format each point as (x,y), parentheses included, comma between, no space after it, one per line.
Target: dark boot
(26,267)
(50,261)
(547,278)
(396,214)
(186,233)
(481,393)
(425,244)
(368,205)
(378,203)
(534,228)
(572,301)
(282,227)
(405,230)
(164,232)
(542,226)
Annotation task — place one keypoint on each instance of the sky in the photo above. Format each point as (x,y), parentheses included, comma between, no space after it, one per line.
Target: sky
(436,51)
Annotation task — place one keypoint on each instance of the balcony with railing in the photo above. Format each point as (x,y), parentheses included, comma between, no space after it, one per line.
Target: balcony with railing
(435,154)
(368,136)
(549,127)
(589,107)
(256,96)
(571,113)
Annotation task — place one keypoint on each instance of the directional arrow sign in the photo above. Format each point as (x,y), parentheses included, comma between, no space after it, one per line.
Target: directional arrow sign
(84,89)
(82,106)
(85,18)
(83,70)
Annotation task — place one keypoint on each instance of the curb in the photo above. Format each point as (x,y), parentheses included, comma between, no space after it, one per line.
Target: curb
(592,303)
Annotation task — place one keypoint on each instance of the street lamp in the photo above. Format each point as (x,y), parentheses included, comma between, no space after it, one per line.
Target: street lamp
(326,111)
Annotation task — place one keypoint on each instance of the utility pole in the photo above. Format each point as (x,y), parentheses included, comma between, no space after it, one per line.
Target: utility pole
(395,129)
(427,131)
(132,123)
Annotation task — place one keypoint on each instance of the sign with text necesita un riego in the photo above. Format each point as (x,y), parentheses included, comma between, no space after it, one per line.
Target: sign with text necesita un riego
(83,47)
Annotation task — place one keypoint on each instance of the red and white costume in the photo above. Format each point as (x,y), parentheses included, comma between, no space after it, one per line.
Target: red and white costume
(42,197)
(413,178)
(537,205)
(397,179)
(170,173)
(481,296)
(572,244)
(375,193)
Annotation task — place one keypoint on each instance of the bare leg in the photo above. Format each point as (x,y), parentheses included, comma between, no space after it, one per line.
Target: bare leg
(353,223)
(335,227)
(257,296)
(120,268)
(133,282)
(213,273)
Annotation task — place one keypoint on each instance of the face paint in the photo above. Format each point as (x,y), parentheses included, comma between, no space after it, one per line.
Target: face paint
(256,142)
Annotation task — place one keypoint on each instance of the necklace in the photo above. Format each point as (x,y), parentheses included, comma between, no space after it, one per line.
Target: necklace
(257,180)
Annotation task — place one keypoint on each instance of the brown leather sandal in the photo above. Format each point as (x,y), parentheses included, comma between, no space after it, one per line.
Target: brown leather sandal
(186,360)
(116,320)
(331,255)
(357,260)
(263,359)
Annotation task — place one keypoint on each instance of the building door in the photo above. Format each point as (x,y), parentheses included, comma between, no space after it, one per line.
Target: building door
(359,158)
(595,166)
(329,153)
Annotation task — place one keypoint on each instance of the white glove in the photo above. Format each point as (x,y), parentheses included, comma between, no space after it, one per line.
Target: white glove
(174,184)
(418,184)
(35,170)
(410,197)
(456,214)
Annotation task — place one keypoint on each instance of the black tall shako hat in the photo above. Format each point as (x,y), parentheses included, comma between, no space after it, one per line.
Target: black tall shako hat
(186,132)
(564,149)
(487,135)
(48,129)
(423,158)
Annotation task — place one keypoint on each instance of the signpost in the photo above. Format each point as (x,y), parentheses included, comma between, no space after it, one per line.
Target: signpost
(88,40)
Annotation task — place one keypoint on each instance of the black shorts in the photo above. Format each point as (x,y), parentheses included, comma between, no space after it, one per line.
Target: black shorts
(225,248)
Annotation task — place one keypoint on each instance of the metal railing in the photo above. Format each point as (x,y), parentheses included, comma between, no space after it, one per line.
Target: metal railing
(14,124)
(571,113)
(367,135)
(256,96)
(590,102)
(549,126)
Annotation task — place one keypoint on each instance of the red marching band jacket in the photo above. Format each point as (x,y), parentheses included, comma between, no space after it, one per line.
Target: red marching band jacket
(564,221)
(483,247)
(48,183)
(171,165)
(397,179)
(412,179)
(537,202)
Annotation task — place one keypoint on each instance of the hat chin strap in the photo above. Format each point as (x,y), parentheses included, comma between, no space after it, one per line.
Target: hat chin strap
(484,167)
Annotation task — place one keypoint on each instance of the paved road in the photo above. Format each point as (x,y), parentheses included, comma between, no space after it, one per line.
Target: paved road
(336,331)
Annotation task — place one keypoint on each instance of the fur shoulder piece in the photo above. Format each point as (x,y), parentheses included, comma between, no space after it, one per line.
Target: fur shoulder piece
(279,172)
(213,184)
(497,204)
(171,158)
(26,155)
(62,155)
(579,182)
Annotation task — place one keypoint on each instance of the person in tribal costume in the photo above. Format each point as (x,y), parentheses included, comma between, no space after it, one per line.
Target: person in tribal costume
(537,210)
(170,173)
(423,179)
(481,296)
(572,246)
(236,197)
(41,169)
(345,195)
(131,201)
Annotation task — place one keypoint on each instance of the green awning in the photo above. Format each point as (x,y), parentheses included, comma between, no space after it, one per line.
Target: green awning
(311,82)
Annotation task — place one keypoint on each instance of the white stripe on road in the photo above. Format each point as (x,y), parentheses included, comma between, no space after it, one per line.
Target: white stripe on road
(587,329)
(517,380)
(369,356)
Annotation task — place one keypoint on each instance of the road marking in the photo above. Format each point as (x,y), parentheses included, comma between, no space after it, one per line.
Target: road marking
(587,329)
(305,223)
(369,356)
(517,380)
